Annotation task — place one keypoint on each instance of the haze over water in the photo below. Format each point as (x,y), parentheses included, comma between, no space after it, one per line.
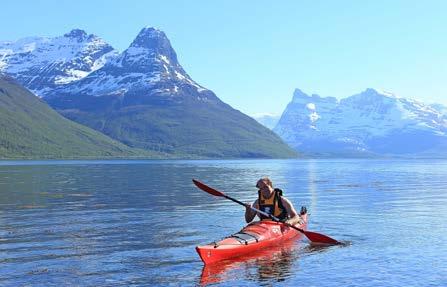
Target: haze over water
(136,223)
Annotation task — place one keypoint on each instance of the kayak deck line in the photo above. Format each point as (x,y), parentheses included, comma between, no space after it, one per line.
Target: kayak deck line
(241,239)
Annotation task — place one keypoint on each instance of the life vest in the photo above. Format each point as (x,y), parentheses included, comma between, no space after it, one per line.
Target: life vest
(272,205)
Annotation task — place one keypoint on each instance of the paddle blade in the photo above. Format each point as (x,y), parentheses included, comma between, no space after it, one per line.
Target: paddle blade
(318,238)
(206,188)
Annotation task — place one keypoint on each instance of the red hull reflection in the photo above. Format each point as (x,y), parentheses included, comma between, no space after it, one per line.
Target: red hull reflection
(272,263)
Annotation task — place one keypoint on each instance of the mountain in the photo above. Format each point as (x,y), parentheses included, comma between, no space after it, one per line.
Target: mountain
(440,109)
(267,120)
(29,128)
(144,99)
(42,63)
(367,124)
(145,72)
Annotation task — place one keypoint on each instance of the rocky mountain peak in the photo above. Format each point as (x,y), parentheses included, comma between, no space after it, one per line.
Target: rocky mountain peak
(154,41)
(149,37)
(299,97)
(371,93)
(151,50)
(373,100)
(299,93)
(78,34)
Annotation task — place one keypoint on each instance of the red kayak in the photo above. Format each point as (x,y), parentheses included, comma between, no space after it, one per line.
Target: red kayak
(255,236)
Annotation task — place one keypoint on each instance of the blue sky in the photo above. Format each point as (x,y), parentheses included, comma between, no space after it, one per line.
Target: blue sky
(253,54)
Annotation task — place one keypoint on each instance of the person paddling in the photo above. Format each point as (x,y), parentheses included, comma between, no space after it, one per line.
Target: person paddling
(271,201)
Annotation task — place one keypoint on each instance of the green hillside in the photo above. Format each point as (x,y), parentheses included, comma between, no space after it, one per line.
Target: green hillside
(29,128)
(188,129)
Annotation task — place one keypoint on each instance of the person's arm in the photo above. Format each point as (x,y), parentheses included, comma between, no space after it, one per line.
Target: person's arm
(294,218)
(250,213)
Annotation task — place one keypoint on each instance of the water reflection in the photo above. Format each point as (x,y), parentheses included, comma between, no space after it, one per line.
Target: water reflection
(275,264)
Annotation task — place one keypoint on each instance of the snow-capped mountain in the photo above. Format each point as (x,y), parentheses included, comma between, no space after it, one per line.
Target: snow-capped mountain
(146,71)
(368,123)
(42,63)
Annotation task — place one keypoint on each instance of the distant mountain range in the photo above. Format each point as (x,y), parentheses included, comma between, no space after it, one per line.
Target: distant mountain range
(371,123)
(141,97)
(267,120)
(29,128)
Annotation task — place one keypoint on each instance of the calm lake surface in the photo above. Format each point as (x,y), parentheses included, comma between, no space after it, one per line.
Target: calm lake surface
(136,223)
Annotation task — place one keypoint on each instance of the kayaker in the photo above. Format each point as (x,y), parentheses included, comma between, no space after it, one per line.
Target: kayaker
(271,201)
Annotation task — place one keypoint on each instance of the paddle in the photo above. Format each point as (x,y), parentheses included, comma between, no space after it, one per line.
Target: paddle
(312,236)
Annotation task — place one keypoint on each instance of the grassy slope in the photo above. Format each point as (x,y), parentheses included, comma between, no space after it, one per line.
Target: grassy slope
(29,128)
(188,130)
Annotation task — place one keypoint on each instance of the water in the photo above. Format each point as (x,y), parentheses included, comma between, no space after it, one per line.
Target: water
(136,223)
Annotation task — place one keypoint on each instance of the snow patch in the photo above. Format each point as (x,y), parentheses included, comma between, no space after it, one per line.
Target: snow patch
(164,59)
(74,75)
(179,76)
(310,106)
(313,117)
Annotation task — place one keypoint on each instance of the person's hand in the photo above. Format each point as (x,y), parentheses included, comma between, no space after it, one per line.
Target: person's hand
(290,221)
(248,206)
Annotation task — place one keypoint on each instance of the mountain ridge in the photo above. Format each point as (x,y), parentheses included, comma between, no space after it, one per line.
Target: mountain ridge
(45,63)
(370,123)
